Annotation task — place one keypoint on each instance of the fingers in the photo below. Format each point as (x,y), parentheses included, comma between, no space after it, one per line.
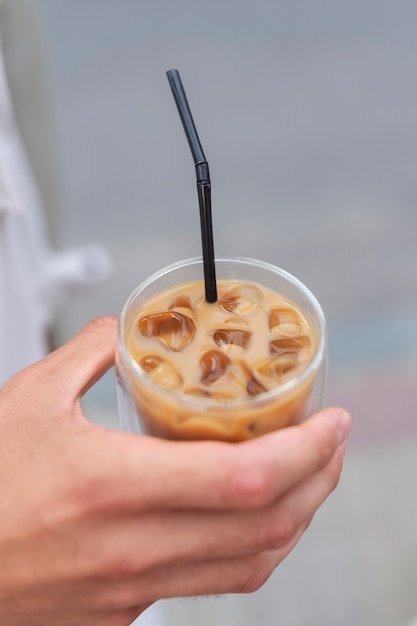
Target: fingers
(211,577)
(158,473)
(198,578)
(194,552)
(207,567)
(147,539)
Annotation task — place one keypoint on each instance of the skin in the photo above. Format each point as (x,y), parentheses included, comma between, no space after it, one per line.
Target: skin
(97,524)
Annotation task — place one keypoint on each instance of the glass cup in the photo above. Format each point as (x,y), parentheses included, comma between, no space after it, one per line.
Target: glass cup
(148,408)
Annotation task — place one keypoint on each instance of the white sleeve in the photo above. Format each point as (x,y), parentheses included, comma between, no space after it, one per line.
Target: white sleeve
(34,280)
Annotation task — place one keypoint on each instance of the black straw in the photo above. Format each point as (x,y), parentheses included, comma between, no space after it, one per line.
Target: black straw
(203,183)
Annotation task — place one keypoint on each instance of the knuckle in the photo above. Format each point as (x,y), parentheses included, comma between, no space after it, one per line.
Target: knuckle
(112,563)
(115,589)
(251,485)
(115,564)
(96,496)
(278,532)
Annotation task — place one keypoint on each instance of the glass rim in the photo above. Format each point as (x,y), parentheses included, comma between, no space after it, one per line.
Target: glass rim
(283,389)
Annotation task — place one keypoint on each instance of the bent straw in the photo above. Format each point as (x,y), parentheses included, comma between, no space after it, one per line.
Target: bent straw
(203,183)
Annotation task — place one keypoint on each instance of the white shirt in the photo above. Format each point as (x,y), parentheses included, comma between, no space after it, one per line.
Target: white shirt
(34,280)
(23,250)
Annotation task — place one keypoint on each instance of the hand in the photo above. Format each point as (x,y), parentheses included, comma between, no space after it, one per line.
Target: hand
(97,524)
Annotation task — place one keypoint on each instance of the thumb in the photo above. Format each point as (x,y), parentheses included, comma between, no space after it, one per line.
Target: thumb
(67,373)
(54,384)
(85,358)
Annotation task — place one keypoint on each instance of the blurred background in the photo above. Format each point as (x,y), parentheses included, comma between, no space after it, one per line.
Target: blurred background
(307,115)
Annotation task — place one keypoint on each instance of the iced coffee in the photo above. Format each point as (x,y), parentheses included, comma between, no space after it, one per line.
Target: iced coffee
(231,370)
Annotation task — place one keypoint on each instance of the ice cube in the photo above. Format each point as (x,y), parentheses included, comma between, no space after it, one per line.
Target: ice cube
(174,329)
(271,371)
(209,393)
(284,322)
(237,322)
(161,371)
(214,364)
(246,379)
(289,345)
(228,337)
(182,303)
(242,300)
(254,387)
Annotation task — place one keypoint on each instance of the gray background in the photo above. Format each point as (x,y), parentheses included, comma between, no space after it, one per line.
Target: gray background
(307,114)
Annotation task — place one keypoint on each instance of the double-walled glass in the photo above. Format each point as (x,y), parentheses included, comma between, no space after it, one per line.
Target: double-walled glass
(146,407)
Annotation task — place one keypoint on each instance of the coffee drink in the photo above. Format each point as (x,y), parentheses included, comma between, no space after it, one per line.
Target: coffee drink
(229,370)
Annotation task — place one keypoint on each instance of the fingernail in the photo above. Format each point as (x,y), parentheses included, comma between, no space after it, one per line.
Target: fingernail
(343,427)
(343,447)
